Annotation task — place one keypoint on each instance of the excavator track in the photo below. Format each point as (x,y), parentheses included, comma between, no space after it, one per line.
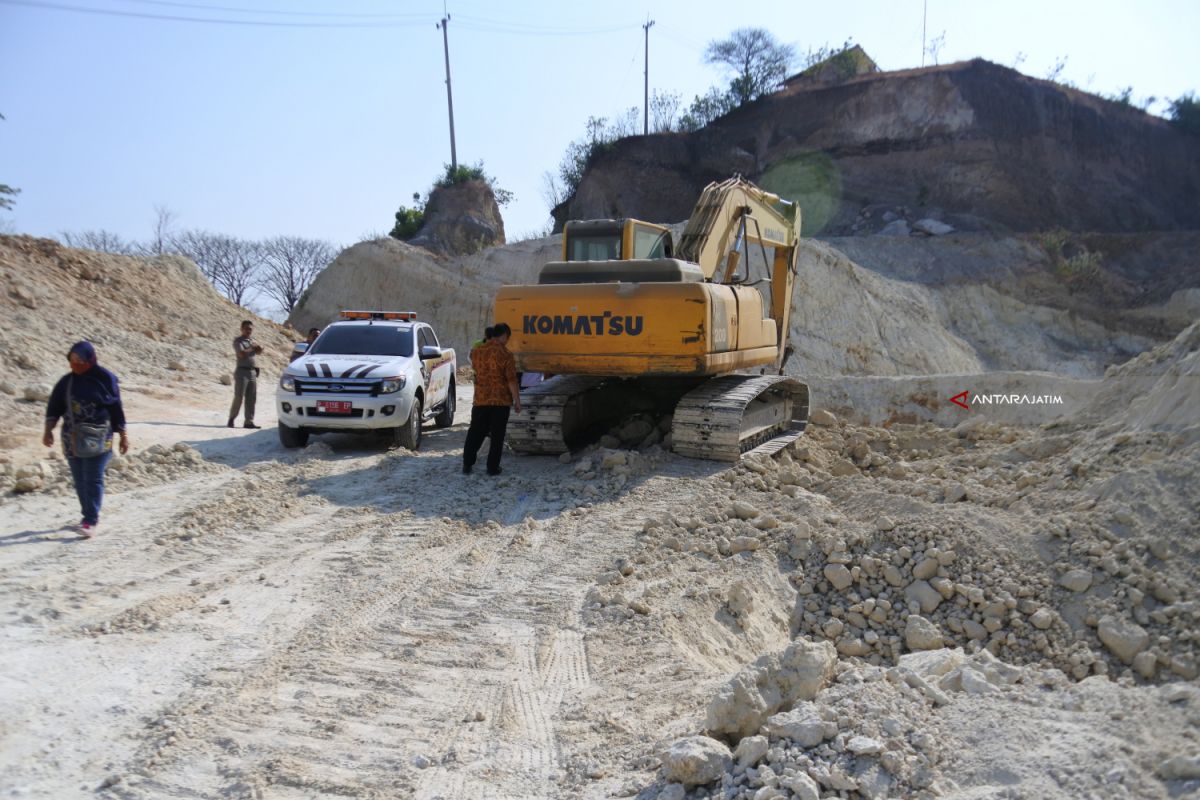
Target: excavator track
(544,423)
(721,419)
(727,417)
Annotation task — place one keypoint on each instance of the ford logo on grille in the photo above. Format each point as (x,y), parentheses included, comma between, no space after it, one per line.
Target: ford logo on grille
(336,387)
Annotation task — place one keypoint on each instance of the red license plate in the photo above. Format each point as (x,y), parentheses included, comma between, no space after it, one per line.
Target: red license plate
(333,406)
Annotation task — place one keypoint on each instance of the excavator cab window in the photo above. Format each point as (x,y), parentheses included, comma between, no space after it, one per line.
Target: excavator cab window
(596,247)
(650,242)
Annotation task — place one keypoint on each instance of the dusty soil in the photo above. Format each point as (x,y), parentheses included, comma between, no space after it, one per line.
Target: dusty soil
(352,621)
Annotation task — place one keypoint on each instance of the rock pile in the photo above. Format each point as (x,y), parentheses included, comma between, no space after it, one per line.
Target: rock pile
(966,579)
(912,730)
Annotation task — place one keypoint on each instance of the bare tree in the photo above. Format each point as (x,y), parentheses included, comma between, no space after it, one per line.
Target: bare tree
(625,124)
(1055,72)
(553,191)
(164,221)
(758,61)
(934,48)
(101,241)
(229,263)
(289,266)
(664,108)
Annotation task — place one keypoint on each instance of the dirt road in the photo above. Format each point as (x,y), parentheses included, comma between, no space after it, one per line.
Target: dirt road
(342,621)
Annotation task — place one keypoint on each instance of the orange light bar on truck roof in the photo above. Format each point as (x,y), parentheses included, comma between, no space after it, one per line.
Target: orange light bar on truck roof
(406,316)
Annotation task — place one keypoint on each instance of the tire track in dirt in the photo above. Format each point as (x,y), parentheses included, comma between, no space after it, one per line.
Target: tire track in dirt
(346,652)
(543,668)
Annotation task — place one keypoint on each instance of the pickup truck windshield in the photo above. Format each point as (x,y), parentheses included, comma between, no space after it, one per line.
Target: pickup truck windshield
(365,340)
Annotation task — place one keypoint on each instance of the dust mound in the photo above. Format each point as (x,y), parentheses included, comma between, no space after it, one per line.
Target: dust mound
(156,322)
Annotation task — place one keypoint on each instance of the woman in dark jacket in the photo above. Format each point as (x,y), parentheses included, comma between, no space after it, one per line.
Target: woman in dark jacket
(87,396)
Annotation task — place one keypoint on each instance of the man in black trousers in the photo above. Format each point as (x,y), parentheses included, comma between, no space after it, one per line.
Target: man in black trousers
(495,391)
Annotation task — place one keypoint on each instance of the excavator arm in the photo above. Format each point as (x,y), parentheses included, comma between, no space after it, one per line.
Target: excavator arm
(733,215)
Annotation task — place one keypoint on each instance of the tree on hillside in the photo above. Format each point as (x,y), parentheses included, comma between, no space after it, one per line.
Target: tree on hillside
(231,264)
(101,241)
(160,242)
(7,193)
(409,220)
(758,61)
(664,109)
(289,266)
(705,108)
(1184,113)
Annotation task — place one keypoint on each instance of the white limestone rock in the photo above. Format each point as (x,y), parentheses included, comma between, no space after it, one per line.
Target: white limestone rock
(838,576)
(1125,639)
(803,725)
(825,419)
(924,595)
(1076,580)
(864,746)
(772,682)
(933,663)
(1042,619)
(750,750)
(921,634)
(802,787)
(696,760)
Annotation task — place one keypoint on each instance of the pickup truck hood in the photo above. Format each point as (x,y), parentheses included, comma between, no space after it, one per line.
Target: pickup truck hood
(323,365)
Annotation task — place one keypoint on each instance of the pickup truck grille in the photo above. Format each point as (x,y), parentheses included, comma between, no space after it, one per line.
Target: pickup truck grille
(351,387)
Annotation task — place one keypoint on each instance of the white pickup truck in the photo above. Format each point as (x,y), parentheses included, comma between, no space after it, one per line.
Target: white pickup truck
(369,371)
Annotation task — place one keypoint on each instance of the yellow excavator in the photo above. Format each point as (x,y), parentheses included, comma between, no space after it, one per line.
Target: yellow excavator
(628,323)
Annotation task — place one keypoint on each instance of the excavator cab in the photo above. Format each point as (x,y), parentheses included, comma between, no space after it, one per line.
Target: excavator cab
(615,240)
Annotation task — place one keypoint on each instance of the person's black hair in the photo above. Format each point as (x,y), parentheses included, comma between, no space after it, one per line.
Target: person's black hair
(311,331)
(501,329)
(488,333)
(246,322)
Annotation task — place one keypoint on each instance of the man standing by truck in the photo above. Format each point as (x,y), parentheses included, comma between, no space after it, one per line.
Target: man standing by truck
(245,375)
(495,391)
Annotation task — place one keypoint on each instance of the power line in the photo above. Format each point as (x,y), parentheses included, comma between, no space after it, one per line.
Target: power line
(213,21)
(274,12)
(523,29)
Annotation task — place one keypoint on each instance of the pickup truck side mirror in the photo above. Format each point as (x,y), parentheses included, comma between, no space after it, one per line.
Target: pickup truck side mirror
(300,348)
(430,351)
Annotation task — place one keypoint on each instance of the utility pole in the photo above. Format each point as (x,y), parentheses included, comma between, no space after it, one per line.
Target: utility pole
(449,95)
(924,16)
(646,117)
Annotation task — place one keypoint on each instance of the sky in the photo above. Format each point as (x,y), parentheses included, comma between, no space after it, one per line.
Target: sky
(319,119)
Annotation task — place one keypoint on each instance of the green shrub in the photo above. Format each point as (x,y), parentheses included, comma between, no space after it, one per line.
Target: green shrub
(1081,265)
(408,222)
(1184,113)
(473,172)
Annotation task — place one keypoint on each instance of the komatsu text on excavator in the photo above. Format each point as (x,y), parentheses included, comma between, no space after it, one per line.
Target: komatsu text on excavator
(629,323)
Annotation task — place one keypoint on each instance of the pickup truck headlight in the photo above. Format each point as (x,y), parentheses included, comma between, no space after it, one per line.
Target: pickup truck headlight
(287,383)
(391,385)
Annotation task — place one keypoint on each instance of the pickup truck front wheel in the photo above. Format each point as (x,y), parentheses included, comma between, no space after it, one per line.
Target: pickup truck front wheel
(292,437)
(408,435)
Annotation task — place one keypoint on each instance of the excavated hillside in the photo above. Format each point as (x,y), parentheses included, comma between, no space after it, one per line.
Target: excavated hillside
(847,320)
(975,144)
